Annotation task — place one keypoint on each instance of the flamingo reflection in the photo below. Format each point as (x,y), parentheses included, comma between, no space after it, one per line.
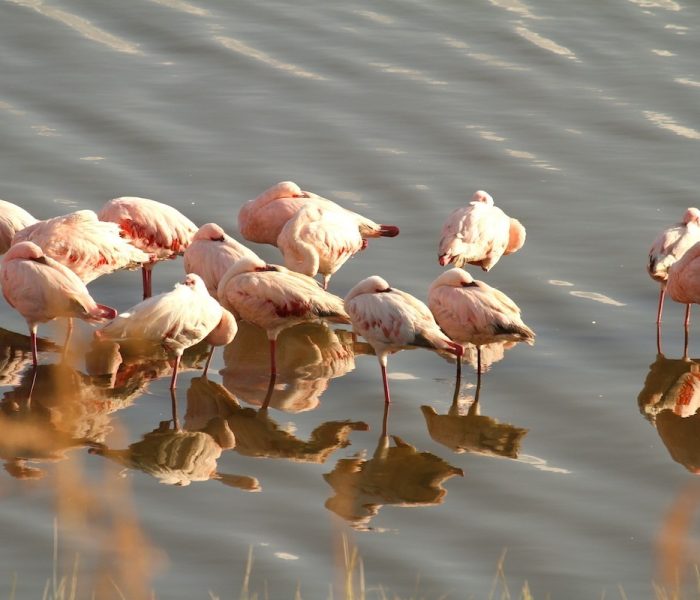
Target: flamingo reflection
(398,475)
(258,435)
(309,356)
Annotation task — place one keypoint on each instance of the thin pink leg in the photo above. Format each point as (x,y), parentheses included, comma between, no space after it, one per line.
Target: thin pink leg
(270,390)
(206,366)
(273,363)
(478,374)
(146,272)
(686,325)
(69,333)
(660,309)
(387,397)
(32,338)
(173,404)
(385,419)
(173,380)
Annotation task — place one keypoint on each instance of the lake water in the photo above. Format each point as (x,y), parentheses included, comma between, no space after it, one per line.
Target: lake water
(580,118)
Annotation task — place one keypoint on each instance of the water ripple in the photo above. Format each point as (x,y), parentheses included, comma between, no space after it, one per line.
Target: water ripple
(545,43)
(665,122)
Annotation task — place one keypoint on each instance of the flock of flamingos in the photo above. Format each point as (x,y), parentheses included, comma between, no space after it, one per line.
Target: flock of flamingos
(47,265)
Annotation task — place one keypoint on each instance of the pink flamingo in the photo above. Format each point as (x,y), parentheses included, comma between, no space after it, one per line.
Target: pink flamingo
(390,319)
(683,283)
(275,298)
(261,219)
(473,312)
(479,234)
(211,253)
(85,245)
(176,320)
(319,240)
(156,228)
(670,245)
(42,289)
(12,219)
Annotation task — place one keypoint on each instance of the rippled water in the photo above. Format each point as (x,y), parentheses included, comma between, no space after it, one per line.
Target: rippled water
(581,120)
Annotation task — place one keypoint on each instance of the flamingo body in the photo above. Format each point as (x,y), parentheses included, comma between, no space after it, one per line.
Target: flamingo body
(262,219)
(42,289)
(176,319)
(211,253)
(473,312)
(390,319)
(12,219)
(479,234)
(85,245)
(683,283)
(319,240)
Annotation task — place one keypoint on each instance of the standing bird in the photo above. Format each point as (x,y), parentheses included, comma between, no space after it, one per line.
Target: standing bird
(85,245)
(176,320)
(275,298)
(262,219)
(211,253)
(390,319)
(473,312)
(683,283)
(670,245)
(318,239)
(161,230)
(42,289)
(479,234)
(12,219)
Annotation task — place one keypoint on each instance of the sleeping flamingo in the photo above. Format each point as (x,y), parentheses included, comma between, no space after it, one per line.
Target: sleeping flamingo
(669,246)
(479,234)
(176,320)
(12,219)
(211,253)
(85,245)
(156,228)
(42,289)
(261,219)
(275,298)
(473,312)
(390,319)
(318,239)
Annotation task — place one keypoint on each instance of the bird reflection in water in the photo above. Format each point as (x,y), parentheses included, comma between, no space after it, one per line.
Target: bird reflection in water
(398,475)
(258,435)
(670,400)
(309,355)
(16,355)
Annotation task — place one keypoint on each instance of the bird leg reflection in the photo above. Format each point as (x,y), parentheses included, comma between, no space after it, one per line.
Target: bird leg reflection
(69,333)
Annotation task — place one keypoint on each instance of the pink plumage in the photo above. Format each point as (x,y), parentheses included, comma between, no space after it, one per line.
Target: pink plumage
(176,320)
(472,312)
(156,228)
(319,240)
(42,289)
(390,319)
(479,234)
(275,298)
(262,219)
(212,253)
(669,246)
(85,245)
(12,219)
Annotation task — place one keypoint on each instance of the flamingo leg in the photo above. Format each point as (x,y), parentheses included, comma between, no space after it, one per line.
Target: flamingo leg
(31,388)
(270,390)
(686,325)
(176,366)
(206,366)
(478,373)
(658,338)
(387,397)
(385,420)
(458,382)
(273,364)
(69,333)
(146,272)
(173,404)
(660,309)
(32,338)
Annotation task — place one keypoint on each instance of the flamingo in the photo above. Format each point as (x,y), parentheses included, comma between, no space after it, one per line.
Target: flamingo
(683,283)
(176,320)
(154,227)
(275,298)
(669,246)
(12,219)
(85,245)
(261,219)
(390,319)
(479,234)
(319,240)
(472,312)
(42,289)
(211,253)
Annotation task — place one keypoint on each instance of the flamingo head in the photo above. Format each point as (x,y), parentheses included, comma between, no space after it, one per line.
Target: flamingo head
(482,196)
(211,232)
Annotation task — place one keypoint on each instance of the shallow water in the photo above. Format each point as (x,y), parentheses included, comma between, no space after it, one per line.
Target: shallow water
(579,118)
